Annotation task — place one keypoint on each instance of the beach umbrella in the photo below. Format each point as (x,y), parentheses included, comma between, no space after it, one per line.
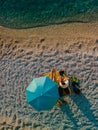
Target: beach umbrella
(42,93)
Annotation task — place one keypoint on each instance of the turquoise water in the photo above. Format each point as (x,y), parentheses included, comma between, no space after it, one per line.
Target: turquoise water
(32,13)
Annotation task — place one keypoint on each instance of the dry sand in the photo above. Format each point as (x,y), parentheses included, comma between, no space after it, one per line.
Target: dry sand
(25,53)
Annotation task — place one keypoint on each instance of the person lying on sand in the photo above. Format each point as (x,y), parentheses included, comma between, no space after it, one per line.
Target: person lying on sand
(66,85)
(64,89)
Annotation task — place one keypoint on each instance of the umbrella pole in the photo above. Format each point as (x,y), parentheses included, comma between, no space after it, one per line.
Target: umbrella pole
(50,119)
(40,119)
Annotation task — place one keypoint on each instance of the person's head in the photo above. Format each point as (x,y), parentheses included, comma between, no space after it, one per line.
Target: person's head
(61,72)
(64,84)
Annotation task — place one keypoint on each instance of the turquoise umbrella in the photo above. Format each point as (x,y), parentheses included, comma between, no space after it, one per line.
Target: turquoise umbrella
(42,93)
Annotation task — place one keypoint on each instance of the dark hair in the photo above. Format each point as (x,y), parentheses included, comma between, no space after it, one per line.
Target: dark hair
(61,72)
(63,83)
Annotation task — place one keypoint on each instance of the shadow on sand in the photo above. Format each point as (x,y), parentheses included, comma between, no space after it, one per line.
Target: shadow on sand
(66,110)
(84,105)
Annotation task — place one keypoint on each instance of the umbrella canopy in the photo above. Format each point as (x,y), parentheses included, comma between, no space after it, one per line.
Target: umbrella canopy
(42,93)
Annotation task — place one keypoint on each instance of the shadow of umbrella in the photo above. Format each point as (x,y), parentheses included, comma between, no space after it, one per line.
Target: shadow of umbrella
(84,105)
(67,111)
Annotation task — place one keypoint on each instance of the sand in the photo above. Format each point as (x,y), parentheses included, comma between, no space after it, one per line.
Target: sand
(26,53)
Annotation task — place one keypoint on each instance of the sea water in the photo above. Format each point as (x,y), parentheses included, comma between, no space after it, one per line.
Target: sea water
(34,13)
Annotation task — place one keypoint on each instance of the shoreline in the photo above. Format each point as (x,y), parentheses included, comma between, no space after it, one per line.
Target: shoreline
(66,37)
(55,24)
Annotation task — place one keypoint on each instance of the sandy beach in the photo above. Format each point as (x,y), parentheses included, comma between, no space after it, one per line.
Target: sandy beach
(25,53)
